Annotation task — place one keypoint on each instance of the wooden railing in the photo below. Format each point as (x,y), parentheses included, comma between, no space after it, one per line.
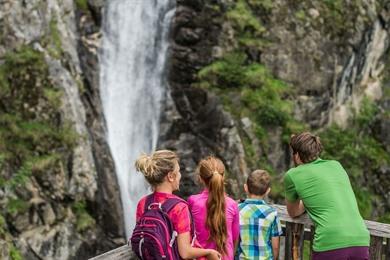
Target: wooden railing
(296,231)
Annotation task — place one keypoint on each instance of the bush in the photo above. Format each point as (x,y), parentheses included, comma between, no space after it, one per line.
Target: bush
(84,220)
(248,28)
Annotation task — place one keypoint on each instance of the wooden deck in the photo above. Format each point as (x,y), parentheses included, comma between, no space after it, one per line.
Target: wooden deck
(296,231)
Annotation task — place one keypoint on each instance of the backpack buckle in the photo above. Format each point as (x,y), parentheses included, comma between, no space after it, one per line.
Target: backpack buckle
(154,204)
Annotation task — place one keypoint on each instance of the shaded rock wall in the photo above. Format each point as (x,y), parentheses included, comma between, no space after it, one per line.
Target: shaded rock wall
(199,126)
(332,55)
(76,212)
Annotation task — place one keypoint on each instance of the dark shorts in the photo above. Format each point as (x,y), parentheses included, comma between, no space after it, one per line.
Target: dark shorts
(348,253)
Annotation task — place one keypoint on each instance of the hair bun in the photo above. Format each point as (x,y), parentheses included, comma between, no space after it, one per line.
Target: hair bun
(145,164)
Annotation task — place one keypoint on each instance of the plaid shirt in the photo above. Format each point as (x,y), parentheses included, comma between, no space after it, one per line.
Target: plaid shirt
(259,222)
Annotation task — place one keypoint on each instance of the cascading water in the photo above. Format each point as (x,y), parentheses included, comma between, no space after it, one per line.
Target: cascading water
(132,85)
(361,75)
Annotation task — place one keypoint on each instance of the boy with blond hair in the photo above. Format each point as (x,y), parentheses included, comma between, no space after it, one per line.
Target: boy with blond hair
(260,227)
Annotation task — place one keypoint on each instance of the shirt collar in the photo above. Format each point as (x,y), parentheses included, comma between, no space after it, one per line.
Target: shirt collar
(312,162)
(163,194)
(255,201)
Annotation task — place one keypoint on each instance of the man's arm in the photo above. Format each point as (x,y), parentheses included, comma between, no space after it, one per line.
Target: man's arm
(295,208)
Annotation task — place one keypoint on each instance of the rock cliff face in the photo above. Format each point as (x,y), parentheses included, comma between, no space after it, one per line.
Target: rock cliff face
(243,75)
(331,56)
(198,124)
(59,196)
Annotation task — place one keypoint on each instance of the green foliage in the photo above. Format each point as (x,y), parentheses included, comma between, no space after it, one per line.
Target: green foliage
(300,15)
(306,249)
(364,199)
(358,152)
(250,90)
(261,95)
(340,16)
(17,206)
(385,218)
(55,39)
(24,139)
(15,253)
(243,18)
(84,220)
(250,153)
(248,28)
(33,138)
(82,5)
(266,5)
(21,176)
(226,73)
(277,190)
(366,114)
(266,103)
(22,69)
(2,226)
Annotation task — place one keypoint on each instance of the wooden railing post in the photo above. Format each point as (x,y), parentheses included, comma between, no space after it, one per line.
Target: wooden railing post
(298,240)
(294,241)
(376,245)
(288,241)
(387,249)
(312,231)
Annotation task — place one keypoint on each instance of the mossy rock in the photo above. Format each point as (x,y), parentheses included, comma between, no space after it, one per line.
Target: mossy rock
(33,138)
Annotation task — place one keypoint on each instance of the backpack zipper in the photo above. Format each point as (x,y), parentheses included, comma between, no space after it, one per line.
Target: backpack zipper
(140,247)
(162,223)
(143,234)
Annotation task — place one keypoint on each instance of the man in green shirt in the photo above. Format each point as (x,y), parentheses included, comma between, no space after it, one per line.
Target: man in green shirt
(322,188)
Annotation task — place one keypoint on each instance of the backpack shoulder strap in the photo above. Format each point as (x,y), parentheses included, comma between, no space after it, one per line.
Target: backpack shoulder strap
(149,200)
(170,203)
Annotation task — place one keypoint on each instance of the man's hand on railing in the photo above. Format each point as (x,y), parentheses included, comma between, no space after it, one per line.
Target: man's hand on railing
(295,208)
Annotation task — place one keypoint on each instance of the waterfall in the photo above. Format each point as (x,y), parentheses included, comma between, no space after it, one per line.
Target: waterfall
(361,75)
(132,87)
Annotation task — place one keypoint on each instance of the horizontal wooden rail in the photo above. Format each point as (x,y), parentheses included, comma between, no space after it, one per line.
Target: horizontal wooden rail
(375,228)
(296,231)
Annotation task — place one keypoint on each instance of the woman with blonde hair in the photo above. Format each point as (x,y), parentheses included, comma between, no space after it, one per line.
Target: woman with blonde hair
(216,216)
(164,225)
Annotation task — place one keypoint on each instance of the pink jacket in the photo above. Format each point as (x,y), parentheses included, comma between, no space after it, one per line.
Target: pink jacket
(197,204)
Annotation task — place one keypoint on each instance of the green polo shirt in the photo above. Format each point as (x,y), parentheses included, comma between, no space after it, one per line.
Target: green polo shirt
(325,189)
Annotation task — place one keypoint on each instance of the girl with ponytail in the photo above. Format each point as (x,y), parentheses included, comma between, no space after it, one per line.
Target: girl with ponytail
(162,171)
(216,216)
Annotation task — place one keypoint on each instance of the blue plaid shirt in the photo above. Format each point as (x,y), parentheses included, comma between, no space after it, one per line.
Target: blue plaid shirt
(259,222)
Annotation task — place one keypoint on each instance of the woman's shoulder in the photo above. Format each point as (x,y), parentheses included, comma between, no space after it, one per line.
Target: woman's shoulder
(142,201)
(181,202)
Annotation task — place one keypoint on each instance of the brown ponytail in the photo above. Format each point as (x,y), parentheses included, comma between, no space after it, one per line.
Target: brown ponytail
(157,165)
(211,170)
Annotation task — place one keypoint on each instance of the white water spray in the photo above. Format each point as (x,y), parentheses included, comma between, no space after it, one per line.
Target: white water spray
(132,87)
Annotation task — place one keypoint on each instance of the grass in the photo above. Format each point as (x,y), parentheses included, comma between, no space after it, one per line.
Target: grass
(34,139)
(82,5)
(248,27)
(84,220)
(55,51)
